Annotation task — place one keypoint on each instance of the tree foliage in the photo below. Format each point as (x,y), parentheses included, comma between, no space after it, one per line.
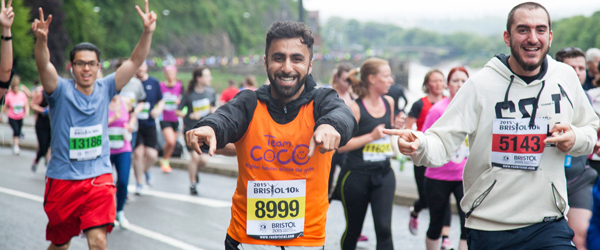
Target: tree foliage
(578,31)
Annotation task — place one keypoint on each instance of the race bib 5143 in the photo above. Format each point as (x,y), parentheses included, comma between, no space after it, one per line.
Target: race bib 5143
(516,145)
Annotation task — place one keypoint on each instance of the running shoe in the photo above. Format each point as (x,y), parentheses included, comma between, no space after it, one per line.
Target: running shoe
(363,237)
(139,189)
(413,224)
(123,222)
(165,166)
(148,178)
(16,150)
(34,167)
(446,244)
(193,189)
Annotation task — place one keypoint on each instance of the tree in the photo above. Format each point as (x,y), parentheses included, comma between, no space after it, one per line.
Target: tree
(58,39)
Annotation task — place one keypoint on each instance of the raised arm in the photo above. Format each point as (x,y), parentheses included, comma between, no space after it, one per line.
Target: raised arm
(7,16)
(47,72)
(139,54)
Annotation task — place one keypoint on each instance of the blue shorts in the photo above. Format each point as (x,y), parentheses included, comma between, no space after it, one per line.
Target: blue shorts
(553,235)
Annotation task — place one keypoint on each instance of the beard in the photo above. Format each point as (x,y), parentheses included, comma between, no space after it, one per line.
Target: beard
(286,91)
(514,51)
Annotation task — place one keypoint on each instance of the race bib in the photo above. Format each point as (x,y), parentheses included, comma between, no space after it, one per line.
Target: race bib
(85,143)
(378,150)
(18,108)
(145,114)
(462,152)
(116,137)
(515,145)
(170,101)
(201,106)
(275,209)
(131,97)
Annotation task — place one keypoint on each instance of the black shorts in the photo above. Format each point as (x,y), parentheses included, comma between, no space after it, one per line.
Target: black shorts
(167,124)
(579,189)
(188,148)
(554,235)
(147,136)
(16,126)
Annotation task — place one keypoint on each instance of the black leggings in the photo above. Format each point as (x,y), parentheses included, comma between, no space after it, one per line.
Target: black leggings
(421,203)
(438,197)
(337,160)
(42,130)
(16,126)
(357,191)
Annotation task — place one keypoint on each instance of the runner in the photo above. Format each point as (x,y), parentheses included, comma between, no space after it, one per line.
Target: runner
(592,56)
(441,182)
(229,92)
(249,83)
(171,90)
(339,82)
(580,177)
(145,152)
(593,233)
(272,128)
(366,176)
(120,126)
(7,16)
(79,194)
(534,112)
(199,100)
(16,104)
(433,85)
(134,92)
(39,105)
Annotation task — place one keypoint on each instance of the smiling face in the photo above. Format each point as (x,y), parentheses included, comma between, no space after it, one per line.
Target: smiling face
(83,71)
(456,81)
(529,40)
(288,65)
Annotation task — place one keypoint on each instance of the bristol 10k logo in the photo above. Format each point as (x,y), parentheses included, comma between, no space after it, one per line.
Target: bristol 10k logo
(505,158)
(263,227)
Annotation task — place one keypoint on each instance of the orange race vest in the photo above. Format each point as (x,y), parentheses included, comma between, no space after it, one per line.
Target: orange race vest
(281,196)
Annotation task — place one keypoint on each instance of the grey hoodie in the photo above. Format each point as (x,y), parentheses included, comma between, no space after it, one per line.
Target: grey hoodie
(499,198)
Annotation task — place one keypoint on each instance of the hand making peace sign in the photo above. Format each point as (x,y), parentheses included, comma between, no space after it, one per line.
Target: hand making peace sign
(7,16)
(149,17)
(40,26)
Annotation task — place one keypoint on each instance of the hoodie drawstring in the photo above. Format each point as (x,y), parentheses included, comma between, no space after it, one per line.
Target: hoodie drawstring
(505,104)
(535,104)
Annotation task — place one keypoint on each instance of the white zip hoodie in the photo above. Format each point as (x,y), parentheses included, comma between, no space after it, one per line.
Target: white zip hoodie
(500,198)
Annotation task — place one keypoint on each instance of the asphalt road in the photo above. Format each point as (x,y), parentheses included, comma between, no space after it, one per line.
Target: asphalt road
(166,217)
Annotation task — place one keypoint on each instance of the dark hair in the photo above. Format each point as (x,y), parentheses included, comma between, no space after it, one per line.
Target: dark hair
(453,70)
(195,74)
(339,69)
(289,29)
(119,62)
(569,52)
(231,82)
(369,67)
(426,79)
(82,47)
(529,6)
(250,81)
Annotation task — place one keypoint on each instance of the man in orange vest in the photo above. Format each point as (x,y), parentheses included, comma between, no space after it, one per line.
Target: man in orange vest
(281,197)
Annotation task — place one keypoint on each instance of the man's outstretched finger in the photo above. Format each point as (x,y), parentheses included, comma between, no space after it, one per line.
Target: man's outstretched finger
(212,145)
(311,147)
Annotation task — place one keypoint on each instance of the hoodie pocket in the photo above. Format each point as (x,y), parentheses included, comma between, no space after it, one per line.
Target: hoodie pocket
(559,201)
(480,199)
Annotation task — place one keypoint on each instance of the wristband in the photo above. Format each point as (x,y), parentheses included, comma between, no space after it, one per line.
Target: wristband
(6,38)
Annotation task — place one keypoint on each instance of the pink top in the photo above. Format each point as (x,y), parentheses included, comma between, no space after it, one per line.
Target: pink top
(170,96)
(453,170)
(16,104)
(118,136)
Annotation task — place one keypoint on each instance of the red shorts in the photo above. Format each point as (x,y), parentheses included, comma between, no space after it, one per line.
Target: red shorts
(73,206)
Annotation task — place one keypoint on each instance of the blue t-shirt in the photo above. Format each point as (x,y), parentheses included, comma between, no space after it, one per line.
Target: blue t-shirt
(153,96)
(80,147)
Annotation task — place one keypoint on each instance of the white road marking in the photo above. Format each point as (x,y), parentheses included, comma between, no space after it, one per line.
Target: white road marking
(21,194)
(133,228)
(185,198)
